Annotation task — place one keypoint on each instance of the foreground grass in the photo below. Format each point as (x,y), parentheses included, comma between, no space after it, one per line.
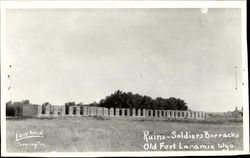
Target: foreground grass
(103,134)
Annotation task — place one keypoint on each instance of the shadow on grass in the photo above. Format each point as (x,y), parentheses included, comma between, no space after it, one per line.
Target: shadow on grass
(205,121)
(27,118)
(100,118)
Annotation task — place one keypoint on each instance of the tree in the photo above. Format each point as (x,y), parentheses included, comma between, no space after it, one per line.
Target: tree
(79,104)
(120,99)
(26,101)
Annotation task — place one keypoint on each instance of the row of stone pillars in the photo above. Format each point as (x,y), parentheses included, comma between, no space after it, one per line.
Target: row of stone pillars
(117,112)
(72,111)
(156,113)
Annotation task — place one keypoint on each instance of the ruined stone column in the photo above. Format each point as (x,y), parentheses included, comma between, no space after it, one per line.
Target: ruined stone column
(194,115)
(177,114)
(182,114)
(201,115)
(93,111)
(138,112)
(99,111)
(152,113)
(89,111)
(105,111)
(128,112)
(78,111)
(122,112)
(164,113)
(39,110)
(157,113)
(84,112)
(185,114)
(117,112)
(70,111)
(144,114)
(62,110)
(111,112)
(188,114)
(96,111)
(160,114)
(55,111)
(174,114)
(205,115)
(168,114)
(133,112)
(47,110)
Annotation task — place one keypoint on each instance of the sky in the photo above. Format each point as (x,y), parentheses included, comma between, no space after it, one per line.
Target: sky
(84,55)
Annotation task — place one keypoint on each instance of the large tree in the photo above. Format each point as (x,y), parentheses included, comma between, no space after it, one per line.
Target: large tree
(120,99)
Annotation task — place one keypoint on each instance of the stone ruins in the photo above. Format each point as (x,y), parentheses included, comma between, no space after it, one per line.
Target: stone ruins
(77,111)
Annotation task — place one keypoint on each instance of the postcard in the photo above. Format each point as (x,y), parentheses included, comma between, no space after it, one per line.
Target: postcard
(124,78)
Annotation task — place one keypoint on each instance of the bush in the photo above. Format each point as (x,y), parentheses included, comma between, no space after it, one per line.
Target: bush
(10,111)
(15,109)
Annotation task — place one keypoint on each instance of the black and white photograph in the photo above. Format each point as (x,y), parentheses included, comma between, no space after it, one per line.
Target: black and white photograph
(102,78)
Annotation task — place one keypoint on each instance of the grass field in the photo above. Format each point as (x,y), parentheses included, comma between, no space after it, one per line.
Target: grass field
(105,134)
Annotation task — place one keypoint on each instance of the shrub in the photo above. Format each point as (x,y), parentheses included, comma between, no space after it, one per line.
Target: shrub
(15,109)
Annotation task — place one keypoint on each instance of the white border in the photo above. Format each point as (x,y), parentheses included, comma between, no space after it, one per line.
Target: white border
(122,4)
(126,4)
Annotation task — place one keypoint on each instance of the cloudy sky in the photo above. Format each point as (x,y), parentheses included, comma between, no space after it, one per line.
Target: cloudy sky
(83,55)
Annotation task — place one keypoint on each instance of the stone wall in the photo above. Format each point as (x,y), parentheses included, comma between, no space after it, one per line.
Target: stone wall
(78,111)
(30,110)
